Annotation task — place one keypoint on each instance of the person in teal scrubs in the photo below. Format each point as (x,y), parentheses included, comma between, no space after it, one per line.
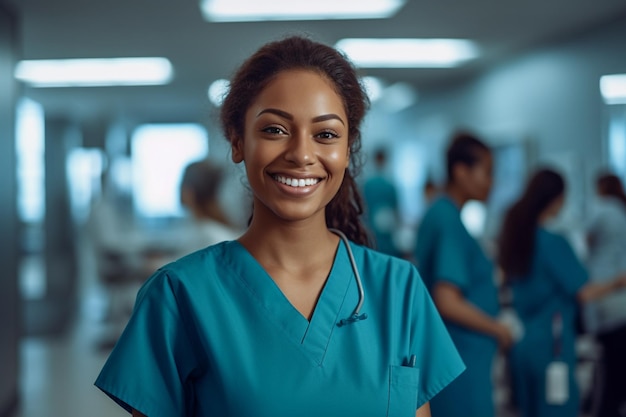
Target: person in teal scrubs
(297,317)
(548,282)
(461,280)
(381,206)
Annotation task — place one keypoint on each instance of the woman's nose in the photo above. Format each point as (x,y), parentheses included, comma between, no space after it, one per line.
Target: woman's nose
(300,149)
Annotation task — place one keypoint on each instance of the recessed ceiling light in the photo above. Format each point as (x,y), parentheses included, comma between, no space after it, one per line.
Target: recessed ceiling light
(96,72)
(258,10)
(613,88)
(408,53)
(218,90)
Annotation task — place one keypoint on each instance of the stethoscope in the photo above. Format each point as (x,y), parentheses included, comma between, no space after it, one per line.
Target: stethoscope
(355,316)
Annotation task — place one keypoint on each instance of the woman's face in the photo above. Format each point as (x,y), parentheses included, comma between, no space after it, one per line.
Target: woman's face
(295,146)
(555,206)
(476,180)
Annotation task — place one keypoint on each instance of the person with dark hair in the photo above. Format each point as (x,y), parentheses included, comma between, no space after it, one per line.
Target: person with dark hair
(199,193)
(381,197)
(547,281)
(297,317)
(461,280)
(430,191)
(606,318)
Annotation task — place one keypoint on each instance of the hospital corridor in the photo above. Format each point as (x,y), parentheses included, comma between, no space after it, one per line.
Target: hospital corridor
(396,201)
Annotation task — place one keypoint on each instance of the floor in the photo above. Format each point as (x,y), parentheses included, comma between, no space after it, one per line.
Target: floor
(58,373)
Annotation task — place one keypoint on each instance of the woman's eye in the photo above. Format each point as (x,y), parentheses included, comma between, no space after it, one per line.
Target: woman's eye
(273,130)
(327,135)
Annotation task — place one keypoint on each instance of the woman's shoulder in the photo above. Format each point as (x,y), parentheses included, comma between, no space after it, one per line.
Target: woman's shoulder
(198,264)
(549,241)
(381,265)
(375,255)
(442,207)
(442,215)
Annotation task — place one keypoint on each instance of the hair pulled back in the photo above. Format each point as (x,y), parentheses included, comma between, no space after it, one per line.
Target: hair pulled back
(293,53)
(611,185)
(203,179)
(517,238)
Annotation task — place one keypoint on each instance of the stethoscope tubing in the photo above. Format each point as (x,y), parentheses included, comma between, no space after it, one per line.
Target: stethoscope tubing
(355,314)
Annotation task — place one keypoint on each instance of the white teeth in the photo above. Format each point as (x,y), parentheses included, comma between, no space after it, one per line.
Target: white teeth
(295,182)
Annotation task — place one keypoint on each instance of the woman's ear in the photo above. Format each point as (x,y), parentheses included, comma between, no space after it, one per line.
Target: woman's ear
(460,172)
(186,197)
(237,150)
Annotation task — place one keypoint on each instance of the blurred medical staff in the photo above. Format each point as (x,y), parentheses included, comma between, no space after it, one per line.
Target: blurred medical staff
(548,281)
(381,206)
(208,224)
(606,318)
(461,280)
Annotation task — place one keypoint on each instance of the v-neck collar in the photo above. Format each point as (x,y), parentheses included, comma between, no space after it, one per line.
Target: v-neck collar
(314,335)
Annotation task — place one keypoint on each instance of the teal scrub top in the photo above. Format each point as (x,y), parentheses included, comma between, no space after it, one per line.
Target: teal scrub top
(213,335)
(381,207)
(556,275)
(446,252)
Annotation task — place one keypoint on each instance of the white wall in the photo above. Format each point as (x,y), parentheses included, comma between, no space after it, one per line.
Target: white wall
(549,96)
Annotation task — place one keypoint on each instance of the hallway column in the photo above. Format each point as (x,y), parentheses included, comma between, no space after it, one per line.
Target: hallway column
(52,313)
(9,297)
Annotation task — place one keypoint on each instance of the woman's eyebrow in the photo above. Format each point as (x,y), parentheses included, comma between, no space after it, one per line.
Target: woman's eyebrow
(289,116)
(277,112)
(327,117)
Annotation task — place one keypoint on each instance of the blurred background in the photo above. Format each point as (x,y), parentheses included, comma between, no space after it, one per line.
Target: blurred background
(91,169)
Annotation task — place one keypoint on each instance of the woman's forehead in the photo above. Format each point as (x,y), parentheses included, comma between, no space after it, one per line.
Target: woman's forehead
(302,91)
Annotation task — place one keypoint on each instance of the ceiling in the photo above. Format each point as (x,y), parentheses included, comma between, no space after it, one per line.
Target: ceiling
(202,52)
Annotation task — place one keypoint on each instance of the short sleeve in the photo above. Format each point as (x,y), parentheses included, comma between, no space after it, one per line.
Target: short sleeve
(436,356)
(564,265)
(450,255)
(153,361)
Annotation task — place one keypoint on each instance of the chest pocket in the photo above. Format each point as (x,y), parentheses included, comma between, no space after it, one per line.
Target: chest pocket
(403,387)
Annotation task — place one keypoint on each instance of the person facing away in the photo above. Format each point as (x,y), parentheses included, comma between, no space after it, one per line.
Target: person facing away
(461,280)
(606,318)
(381,206)
(298,317)
(199,189)
(548,281)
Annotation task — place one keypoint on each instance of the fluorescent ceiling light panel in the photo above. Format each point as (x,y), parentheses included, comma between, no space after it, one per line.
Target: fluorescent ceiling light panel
(258,10)
(613,88)
(408,53)
(97,72)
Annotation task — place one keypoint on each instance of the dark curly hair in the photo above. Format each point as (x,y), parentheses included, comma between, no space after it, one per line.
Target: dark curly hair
(298,52)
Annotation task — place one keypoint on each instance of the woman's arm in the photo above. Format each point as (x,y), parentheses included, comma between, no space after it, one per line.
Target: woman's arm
(595,290)
(423,411)
(453,307)
(138,414)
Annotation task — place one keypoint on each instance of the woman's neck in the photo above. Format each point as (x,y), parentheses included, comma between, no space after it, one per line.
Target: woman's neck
(290,245)
(456,195)
(544,218)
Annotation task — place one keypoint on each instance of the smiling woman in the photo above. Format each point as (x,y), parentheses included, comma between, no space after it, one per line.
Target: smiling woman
(306,147)
(297,316)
